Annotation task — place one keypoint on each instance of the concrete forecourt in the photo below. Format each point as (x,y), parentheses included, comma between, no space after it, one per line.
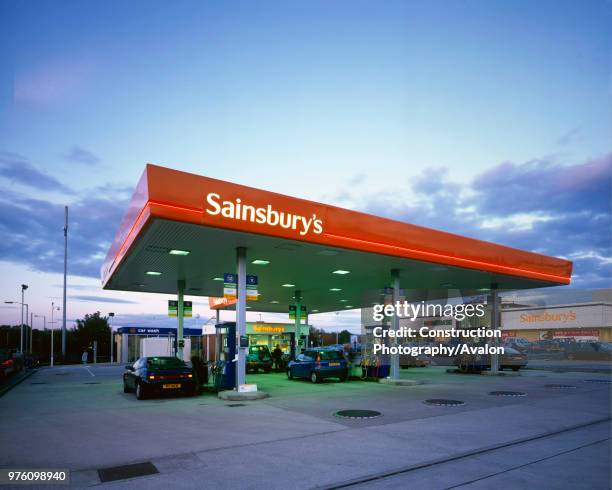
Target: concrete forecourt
(79,419)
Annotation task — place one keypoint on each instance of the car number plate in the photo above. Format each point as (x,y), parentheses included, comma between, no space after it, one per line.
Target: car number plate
(334,363)
(173,385)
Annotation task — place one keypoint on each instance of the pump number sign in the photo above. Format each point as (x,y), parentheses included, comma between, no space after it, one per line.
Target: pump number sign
(173,308)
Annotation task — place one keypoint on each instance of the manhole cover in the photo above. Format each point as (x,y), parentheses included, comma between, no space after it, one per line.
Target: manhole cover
(507,393)
(358,414)
(92,383)
(560,387)
(235,405)
(126,471)
(440,402)
(603,381)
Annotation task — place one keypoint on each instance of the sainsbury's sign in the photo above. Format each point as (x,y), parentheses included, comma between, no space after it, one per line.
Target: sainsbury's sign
(237,210)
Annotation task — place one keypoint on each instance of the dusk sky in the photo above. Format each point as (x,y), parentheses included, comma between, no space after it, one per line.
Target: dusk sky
(486,118)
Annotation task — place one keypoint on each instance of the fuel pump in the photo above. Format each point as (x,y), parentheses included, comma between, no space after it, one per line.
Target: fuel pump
(226,347)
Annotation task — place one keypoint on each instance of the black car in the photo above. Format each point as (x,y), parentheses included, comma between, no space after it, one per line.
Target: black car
(157,375)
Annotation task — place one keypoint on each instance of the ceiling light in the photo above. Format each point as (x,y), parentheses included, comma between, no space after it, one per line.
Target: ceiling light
(153,273)
(343,300)
(260,262)
(288,285)
(314,311)
(335,289)
(274,302)
(341,272)
(217,279)
(348,306)
(175,251)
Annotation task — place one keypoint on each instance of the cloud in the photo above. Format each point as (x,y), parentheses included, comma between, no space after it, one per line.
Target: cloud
(102,299)
(18,170)
(53,82)
(83,156)
(539,205)
(572,136)
(32,230)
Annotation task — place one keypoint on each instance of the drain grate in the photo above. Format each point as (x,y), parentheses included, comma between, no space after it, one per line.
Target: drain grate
(507,393)
(127,471)
(441,402)
(358,414)
(603,381)
(236,405)
(92,383)
(559,387)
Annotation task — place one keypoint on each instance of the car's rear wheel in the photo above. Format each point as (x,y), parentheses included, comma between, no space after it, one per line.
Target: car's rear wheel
(140,392)
(289,374)
(314,377)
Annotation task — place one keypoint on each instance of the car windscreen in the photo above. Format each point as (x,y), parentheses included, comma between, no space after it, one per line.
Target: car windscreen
(165,363)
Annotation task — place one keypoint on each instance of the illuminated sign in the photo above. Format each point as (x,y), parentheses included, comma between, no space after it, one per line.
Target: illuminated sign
(240,211)
(548,317)
(268,329)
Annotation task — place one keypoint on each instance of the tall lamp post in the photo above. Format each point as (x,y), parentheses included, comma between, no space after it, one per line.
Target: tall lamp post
(23,288)
(53,309)
(110,317)
(44,317)
(21,328)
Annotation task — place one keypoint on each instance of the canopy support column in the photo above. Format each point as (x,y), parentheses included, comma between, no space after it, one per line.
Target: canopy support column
(495,325)
(298,316)
(395,358)
(180,342)
(241,316)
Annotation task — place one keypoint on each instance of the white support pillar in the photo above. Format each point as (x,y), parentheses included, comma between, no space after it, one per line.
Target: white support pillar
(395,358)
(180,315)
(298,317)
(495,317)
(241,316)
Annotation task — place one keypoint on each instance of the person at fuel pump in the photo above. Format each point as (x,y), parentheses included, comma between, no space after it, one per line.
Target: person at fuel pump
(277,356)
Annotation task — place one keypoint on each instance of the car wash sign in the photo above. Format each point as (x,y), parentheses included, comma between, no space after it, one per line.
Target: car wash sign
(173,308)
(230,287)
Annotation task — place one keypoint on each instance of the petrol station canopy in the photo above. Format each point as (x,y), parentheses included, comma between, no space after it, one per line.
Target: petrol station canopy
(182,226)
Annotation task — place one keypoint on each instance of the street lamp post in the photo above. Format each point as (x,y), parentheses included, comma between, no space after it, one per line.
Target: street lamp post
(21,328)
(53,309)
(44,317)
(110,316)
(23,288)
(31,331)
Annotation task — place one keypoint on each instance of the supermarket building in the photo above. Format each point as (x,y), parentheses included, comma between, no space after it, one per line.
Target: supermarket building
(580,322)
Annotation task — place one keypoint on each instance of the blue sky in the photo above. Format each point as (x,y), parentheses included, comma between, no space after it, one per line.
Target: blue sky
(486,118)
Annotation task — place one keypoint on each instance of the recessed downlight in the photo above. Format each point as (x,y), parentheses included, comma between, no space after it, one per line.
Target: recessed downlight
(341,272)
(176,251)
(288,285)
(153,273)
(217,279)
(260,262)
(335,289)
(348,306)
(274,302)
(314,311)
(343,300)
